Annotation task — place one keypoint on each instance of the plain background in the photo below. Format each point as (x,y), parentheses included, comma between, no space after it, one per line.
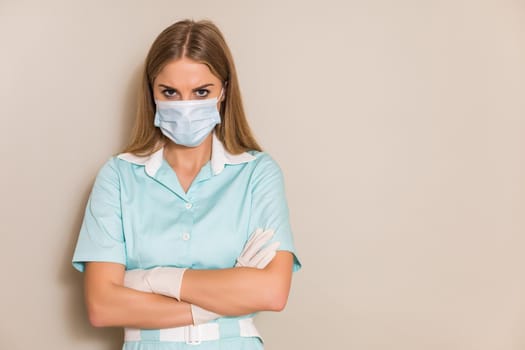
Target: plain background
(399,126)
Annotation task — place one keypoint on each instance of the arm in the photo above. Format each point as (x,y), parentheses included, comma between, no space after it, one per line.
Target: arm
(109,303)
(167,280)
(241,290)
(246,290)
(101,254)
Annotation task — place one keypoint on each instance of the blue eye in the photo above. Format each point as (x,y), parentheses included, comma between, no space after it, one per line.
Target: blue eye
(202,93)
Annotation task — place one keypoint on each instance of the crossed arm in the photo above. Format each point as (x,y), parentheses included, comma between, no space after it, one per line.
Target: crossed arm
(230,292)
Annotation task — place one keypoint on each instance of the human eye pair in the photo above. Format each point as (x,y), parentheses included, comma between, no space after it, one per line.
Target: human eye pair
(171,93)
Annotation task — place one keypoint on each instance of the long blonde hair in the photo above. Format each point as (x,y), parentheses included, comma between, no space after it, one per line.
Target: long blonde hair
(202,42)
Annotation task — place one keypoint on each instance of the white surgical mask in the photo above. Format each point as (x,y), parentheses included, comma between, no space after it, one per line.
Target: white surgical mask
(187,122)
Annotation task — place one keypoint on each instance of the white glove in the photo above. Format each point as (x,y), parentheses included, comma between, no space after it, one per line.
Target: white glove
(251,256)
(135,279)
(165,280)
(168,280)
(201,315)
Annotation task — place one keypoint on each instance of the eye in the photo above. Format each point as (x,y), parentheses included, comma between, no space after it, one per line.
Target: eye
(202,92)
(169,92)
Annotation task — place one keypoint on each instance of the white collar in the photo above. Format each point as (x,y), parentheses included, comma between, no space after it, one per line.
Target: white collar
(219,158)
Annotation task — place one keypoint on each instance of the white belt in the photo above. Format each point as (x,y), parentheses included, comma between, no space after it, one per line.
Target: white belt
(195,334)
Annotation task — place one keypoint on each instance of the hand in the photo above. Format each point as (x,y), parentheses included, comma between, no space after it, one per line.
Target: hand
(157,280)
(165,280)
(168,280)
(253,255)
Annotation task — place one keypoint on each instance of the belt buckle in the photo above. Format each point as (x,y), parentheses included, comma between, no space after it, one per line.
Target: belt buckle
(192,335)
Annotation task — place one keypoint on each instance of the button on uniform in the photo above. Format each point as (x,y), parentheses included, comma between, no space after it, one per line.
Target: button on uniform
(229,184)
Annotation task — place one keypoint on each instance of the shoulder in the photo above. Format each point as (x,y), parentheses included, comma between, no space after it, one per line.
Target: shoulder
(115,168)
(108,173)
(116,171)
(264,162)
(266,171)
(120,163)
(108,168)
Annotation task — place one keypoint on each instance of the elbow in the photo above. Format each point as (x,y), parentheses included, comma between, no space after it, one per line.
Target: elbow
(96,322)
(276,296)
(278,304)
(97,316)
(276,300)
(100,311)
(95,319)
(101,293)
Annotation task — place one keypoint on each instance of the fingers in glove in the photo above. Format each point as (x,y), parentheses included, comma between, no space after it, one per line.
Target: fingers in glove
(248,244)
(241,262)
(264,256)
(260,238)
(201,315)
(254,241)
(265,261)
(255,261)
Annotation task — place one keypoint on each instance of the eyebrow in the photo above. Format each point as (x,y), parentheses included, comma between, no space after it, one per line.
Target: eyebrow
(197,88)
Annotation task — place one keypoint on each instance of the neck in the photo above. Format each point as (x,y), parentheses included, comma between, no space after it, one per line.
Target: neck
(188,159)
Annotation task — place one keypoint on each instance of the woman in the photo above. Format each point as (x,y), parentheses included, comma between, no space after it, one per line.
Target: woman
(186,232)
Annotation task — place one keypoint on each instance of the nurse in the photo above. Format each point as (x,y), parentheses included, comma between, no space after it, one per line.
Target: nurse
(186,234)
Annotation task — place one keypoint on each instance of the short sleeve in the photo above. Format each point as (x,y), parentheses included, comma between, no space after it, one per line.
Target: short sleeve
(101,236)
(269,208)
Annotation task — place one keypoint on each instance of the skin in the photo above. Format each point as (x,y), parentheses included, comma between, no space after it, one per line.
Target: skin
(185,79)
(229,292)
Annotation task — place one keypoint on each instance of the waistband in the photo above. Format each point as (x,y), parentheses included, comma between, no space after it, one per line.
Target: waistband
(220,329)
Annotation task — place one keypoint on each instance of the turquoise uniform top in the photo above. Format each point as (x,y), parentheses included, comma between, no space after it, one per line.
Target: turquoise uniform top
(139,216)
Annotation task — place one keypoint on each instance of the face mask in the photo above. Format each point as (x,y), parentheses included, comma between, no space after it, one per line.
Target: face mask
(187,122)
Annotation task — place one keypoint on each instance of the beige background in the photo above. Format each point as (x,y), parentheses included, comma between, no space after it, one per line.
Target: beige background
(399,126)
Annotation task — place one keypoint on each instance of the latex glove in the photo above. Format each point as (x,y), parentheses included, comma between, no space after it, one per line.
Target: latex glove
(251,256)
(135,279)
(165,280)
(168,280)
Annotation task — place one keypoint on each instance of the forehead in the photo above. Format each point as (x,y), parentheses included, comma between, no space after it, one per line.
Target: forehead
(185,72)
